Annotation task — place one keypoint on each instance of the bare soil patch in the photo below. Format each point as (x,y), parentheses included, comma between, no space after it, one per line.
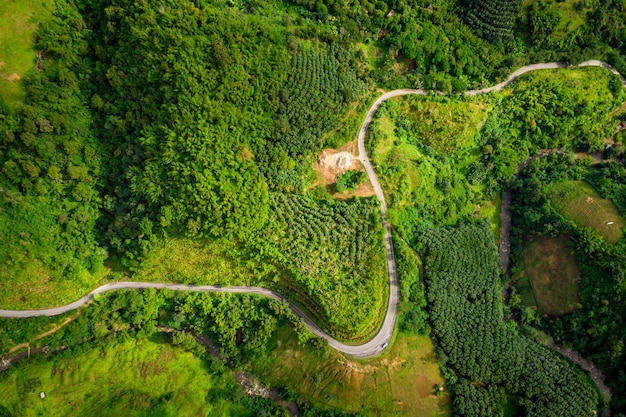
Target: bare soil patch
(331,163)
(553,273)
(13,77)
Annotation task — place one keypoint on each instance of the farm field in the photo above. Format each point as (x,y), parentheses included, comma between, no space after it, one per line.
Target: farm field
(553,273)
(400,383)
(17,57)
(131,377)
(577,201)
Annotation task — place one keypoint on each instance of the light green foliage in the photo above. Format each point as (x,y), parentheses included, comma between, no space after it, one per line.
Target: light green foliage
(412,308)
(209,90)
(569,108)
(399,383)
(50,163)
(425,186)
(129,377)
(17,53)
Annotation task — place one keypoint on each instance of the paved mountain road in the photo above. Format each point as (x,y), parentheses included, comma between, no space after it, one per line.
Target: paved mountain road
(377,344)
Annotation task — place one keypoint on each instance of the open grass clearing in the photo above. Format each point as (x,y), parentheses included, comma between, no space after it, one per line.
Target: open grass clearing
(577,201)
(20,20)
(402,382)
(132,378)
(385,140)
(553,272)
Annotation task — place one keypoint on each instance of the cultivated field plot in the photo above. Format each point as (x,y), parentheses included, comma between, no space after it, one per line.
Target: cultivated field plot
(577,201)
(402,382)
(553,273)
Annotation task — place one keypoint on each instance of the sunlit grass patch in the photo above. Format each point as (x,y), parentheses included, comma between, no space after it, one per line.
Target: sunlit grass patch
(20,19)
(580,203)
(137,378)
(401,381)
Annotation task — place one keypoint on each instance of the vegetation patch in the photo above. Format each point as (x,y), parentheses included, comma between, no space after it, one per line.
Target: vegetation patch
(350,180)
(20,21)
(551,267)
(524,289)
(449,126)
(486,360)
(577,201)
(334,251)
(129,377)
(403,381)
(424,186)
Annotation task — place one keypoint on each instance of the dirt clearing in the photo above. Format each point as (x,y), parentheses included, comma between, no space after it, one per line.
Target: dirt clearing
(330,163)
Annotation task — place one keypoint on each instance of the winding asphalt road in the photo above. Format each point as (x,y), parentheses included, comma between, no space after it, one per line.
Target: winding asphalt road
(379,342)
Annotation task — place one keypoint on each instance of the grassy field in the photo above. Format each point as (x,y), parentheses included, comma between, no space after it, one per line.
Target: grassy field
(402,382)
(553,273)
(196,262)
(131,378)
(577,201)
(20,19)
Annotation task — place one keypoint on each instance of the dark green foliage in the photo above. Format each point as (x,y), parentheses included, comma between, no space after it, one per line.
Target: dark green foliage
(610,181)
(349,180)
(465,307)
(320,87)
(445,53)
(491,19)
(471,400)
(597,328)
(335,251)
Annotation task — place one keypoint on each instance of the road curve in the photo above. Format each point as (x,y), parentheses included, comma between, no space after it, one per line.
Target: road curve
(375,345)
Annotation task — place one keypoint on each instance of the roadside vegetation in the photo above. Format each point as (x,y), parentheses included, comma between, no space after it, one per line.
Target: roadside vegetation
(578,202)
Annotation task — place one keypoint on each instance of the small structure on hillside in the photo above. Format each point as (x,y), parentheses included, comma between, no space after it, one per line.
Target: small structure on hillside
(42,395)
